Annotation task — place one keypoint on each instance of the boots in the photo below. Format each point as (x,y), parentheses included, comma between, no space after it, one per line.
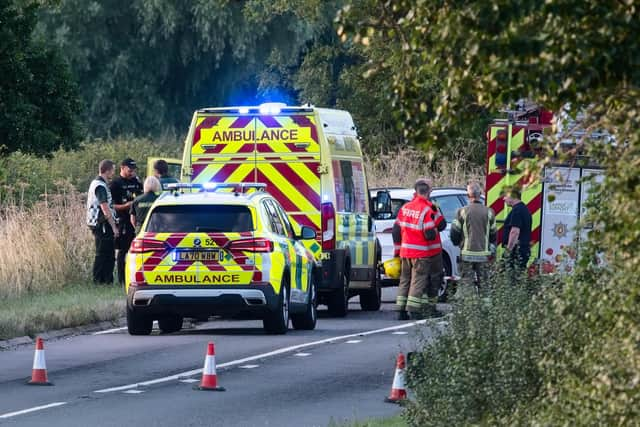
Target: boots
(402,315)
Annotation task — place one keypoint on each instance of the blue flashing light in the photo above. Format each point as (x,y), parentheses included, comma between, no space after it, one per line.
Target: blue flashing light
(271,108)
(209,185)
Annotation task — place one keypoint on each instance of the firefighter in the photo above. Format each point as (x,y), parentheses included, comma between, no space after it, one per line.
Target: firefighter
(141,204)
(474,230)
(417,230)
(124,189)
(101,219)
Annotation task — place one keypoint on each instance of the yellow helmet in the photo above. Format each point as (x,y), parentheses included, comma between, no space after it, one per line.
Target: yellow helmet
(392,267)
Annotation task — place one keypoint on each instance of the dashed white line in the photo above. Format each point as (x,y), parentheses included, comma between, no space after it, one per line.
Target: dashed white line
(353,341)
(111,331)
(248,366)
(302,354)
(399,333)
(34,409)
(261,356)
(134,391)
(189,380)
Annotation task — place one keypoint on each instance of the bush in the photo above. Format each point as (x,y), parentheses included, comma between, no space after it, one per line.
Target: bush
(486,362)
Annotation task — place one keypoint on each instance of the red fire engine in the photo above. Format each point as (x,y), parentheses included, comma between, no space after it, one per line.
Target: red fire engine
(556,201)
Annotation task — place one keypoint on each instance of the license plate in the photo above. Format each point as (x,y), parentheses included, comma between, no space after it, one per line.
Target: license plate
(215,255)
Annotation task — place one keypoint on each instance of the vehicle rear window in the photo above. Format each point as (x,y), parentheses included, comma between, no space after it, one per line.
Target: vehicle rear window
(199,218)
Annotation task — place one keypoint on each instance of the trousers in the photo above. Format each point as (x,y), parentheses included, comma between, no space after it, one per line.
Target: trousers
(420,279)
(105,254)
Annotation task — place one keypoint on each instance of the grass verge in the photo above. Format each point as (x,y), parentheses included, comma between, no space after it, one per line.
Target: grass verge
(69,307)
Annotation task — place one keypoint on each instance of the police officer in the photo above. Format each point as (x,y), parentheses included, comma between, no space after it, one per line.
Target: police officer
(473,230)
(417,229)
(141,204)
(124,189)
(101,219)
(161,171)
(517,230)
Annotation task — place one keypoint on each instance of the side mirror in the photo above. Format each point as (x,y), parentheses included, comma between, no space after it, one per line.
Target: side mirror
(382,208)
(307,233)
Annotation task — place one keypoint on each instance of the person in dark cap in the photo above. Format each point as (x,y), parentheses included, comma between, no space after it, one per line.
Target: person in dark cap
(124,189)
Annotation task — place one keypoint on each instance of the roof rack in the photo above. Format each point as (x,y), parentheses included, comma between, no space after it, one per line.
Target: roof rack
(236,187)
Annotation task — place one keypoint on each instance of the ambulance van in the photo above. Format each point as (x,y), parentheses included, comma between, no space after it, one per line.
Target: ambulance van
(311,161)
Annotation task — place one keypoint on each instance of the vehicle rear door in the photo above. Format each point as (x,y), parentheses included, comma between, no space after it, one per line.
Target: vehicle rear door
(197,245)
(280,149)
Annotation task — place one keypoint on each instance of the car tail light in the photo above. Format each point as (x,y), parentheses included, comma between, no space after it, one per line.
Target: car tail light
(251,245)
(143,245)
(328,226)
(138,279)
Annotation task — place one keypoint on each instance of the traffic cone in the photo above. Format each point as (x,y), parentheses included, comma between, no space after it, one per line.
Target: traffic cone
(39,371)
(398,392)
(209,378)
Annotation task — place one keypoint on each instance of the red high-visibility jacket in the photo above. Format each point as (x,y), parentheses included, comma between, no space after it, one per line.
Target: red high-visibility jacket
(415,219)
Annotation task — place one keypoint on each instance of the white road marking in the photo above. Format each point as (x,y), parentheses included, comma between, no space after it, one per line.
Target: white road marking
(134,391)
(34,409)
(399,333)
(189,380)
(111,331)
(261,356)
(353,341)
(302,354)
(249,366)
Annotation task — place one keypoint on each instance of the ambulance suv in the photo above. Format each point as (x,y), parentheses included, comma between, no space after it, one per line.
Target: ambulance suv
(227,250)
(310,161)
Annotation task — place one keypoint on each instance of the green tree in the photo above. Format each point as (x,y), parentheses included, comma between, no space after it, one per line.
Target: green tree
(38,99)
(489,53)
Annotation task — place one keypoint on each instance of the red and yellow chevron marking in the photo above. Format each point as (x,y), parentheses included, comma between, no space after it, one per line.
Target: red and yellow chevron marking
(498,179)
(281,151)
(163,269)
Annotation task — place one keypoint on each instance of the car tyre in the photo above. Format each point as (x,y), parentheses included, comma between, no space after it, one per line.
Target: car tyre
(277,322)
(444,291)
(307,320)
(170,324)
(371,299)
(138,324)
(339,300)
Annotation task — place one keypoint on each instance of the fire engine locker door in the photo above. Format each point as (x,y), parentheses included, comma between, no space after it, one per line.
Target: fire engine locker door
(560,217)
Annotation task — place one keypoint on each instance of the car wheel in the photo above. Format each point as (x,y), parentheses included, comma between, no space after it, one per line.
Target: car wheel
(170,324)
(371,299)
(278,321)
(138,324)
(339,300)
(308,319)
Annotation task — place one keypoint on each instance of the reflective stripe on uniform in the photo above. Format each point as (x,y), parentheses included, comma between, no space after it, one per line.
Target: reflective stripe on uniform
(414,302)
(421,247)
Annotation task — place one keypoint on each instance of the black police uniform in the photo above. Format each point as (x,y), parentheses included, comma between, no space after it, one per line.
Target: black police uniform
(124,190)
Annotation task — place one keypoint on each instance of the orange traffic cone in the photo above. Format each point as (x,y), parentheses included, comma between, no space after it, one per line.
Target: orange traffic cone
(39,371)
(209,378)
(398,392)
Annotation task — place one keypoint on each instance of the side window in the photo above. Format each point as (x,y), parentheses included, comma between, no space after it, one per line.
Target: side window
(449,205)
(285,220)
(350,186)
(274,218)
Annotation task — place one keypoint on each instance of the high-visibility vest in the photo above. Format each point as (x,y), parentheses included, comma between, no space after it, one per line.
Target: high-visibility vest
(93,206)
(414,219)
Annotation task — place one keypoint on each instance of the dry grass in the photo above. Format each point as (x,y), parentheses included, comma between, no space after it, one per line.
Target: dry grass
(44,247)
(403,167)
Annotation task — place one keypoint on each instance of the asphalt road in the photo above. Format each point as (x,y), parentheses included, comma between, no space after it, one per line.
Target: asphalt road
(339,372)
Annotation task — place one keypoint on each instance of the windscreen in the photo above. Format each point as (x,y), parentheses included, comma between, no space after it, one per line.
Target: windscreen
(199,218)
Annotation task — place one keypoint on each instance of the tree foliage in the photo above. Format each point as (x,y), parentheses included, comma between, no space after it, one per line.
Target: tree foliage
(485,54)
(38,99)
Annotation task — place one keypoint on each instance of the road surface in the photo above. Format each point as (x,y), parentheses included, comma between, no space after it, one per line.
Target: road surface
(338,373)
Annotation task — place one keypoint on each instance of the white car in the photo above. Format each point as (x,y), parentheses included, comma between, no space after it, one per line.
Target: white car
(448,199)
